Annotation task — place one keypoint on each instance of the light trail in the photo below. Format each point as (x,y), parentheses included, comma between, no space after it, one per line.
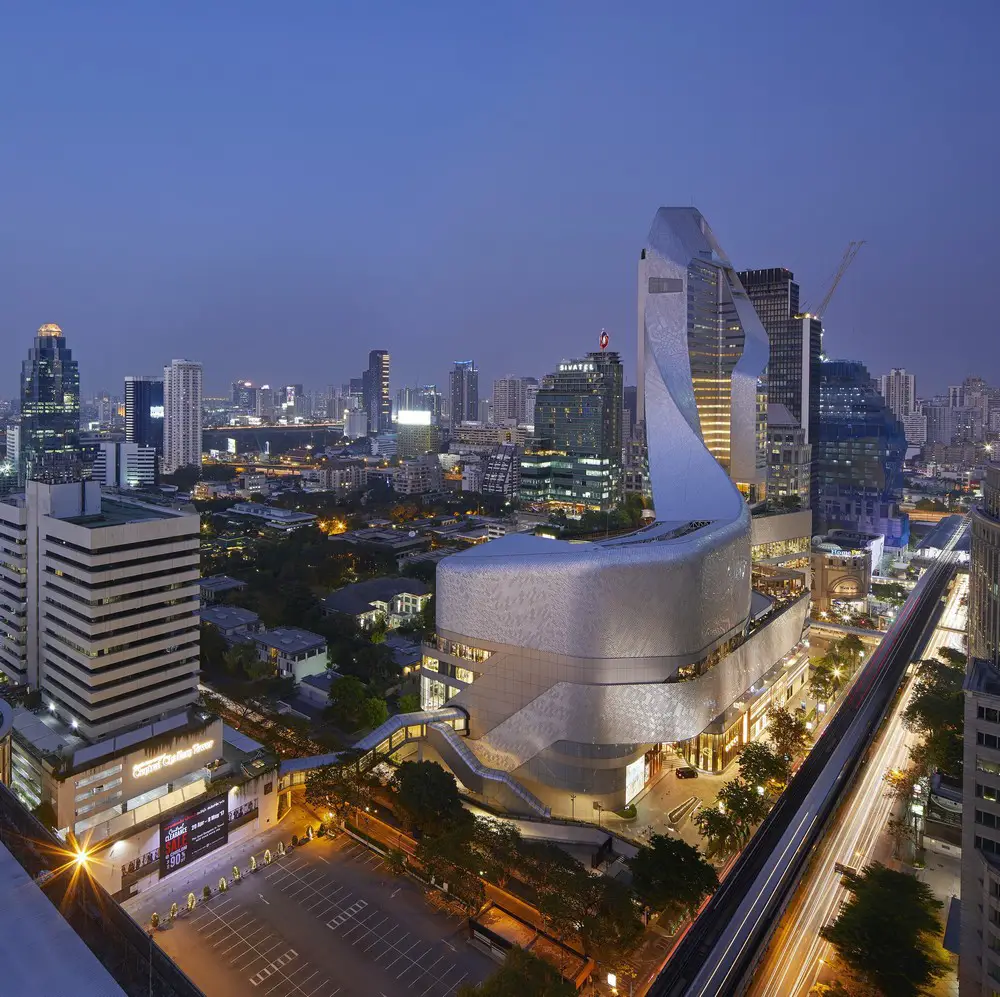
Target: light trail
(797,954)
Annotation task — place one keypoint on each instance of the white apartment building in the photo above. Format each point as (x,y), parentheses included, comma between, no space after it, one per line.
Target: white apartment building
(418,477)
(182,391)
(99,604)
(899,389)
(124,465)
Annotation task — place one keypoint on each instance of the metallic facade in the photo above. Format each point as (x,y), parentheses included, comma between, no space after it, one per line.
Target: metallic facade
(576,660)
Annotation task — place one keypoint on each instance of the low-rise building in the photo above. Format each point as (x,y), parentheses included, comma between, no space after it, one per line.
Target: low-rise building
(285,519)
(421,476)
(399,600)
(335,476)
(842,564)
(215,587)
(294,653)
(234,624)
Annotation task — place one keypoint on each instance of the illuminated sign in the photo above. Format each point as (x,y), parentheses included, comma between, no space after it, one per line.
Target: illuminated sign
(151,765)
(156,411)
(576,366)
(189,836)
(413,417)
(635,778)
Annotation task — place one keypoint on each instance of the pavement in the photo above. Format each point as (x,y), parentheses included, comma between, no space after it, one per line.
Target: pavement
(327,919)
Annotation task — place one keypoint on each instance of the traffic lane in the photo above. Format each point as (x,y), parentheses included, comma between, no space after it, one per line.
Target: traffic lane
(379,928)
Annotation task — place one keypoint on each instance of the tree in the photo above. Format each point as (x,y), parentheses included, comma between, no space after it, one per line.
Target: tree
(760,766)
(379,628)
(851,648)
(720,828)
(213,649)
(669,874)
(374,712)
(787,731)
(521,974)
(936,711)
(45,814)
(428,795)
(824,680)
(347,699)
(609,922)
(340,787)
(240,659)
(496,845)
(887,931)
(747,804)
(409,702)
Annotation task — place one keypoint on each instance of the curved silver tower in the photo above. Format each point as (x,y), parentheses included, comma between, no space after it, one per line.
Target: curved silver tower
(577,661)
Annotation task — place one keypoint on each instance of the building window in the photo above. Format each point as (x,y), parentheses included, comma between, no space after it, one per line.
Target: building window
(987,819)
(268,788)
(988,740)
(987,714)
(986,792)
(987,845)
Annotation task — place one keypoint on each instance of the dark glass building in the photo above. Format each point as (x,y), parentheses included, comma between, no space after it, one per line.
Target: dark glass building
(464,384)
(144,412)
(576,461)
(375,388)
(50,405)
(857,479)
(796,342)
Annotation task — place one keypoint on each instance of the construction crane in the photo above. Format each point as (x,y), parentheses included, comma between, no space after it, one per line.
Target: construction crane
(846,260)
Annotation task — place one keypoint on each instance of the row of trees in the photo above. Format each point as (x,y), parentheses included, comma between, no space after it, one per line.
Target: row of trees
(835,668)
(764,770)
(936,713)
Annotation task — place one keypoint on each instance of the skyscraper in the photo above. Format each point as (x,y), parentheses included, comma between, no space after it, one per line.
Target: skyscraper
(795,340)
(510,399)
(685,276)
(50,404)
(984,573)
(858,454)
(144,412)
(899,390)
(182,415)
(577,459)
(378,404)
(464,384)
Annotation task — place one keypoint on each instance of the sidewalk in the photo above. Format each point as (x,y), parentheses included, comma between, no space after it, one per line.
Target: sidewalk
(207,871)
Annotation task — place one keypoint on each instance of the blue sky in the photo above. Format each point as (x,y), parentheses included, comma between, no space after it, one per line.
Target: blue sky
(276,189)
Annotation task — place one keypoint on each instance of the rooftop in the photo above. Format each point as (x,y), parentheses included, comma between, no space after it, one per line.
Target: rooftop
(221,583)
(226,617)
(272,512)
(984,677)
(44,955)
(358,598)
(115,512)
(290,639)
(943,531)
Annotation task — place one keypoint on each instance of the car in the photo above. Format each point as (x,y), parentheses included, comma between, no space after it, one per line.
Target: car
(686,772)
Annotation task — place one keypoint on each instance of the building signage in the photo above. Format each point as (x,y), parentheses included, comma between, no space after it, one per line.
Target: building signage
(167,758)
(635,779)
(189,836)
(576,366)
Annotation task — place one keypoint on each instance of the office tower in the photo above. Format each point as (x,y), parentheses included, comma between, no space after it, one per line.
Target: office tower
(577,458)
(182,415)
(508,398)
(377,402)
(431,400)
(485,414)
(128,652)
(955,396)
(530,394)
(979,962)
(416,434)
(407,400)
(106,409)
(124,465)
(144,412)
(915,430)
(244,397)
(356,423)
(795,343)
(13,435)
(629,402)
(502,472)
(464,384)
(899,389)
(857,457)
(577,662)
(50,404)
(683,275)
(789,459)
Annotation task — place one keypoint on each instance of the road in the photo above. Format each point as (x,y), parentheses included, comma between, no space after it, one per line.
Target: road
(797,955)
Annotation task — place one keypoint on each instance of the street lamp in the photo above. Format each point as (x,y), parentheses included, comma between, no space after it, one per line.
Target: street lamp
(572,805)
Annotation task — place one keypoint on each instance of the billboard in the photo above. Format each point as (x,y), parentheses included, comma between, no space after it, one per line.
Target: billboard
(188,836)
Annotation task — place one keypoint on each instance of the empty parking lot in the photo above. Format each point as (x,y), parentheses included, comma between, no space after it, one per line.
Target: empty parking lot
(325,920)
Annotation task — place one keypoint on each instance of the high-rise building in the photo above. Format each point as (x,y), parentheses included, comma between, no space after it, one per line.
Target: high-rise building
(531,387)
(50,404)
(510,399)
(795,340)
(899,389)
(182,387)
(13,441)
(144,412)
(124,465)
(629,402)
(789,458)
(416,434)
(485,411)
(502,471)
(683,274)
(244,397)
(464,383)
(858,457)
(979,962)
(129,651)
(576,461)
(378,404)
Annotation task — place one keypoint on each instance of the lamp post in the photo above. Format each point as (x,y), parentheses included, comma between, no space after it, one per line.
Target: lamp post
(572,805)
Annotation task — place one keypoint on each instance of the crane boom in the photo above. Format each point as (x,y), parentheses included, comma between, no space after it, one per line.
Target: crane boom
(846,260)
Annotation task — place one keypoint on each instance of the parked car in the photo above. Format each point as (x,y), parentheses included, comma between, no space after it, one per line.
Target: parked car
(686,772)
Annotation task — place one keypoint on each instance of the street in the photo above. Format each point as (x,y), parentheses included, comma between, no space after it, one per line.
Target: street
(797,956)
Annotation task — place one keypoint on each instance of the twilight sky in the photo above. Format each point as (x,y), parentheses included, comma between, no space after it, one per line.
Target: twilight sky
(274,189)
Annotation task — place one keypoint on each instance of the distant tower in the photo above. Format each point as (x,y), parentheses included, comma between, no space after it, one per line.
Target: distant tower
(144,412)
(464,380)
(50,404)
(182,388)
(378,404)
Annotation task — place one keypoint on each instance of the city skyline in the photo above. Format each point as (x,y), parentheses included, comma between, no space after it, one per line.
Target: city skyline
(279,258)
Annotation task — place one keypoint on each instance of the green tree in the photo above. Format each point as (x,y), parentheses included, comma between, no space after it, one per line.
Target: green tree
(213,650)
(760,766)
(347,699)
(379,629)
(747,805)
(520,975)
(851,648)
(936,712)
(374,712)
(720,828)
(671,875)
(428,620)
(824,678)
(428,796)
(497,848)
(887,931)
(409,702)
(609,921)
(341,787)
(787,732)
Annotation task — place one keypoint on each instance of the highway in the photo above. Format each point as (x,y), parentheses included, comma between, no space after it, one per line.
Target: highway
(721,947)
(796,956)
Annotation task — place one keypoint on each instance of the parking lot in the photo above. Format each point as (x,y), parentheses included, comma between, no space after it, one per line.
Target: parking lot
(328,919)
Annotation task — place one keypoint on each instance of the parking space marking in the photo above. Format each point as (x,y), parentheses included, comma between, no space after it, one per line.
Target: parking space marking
(272,967)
